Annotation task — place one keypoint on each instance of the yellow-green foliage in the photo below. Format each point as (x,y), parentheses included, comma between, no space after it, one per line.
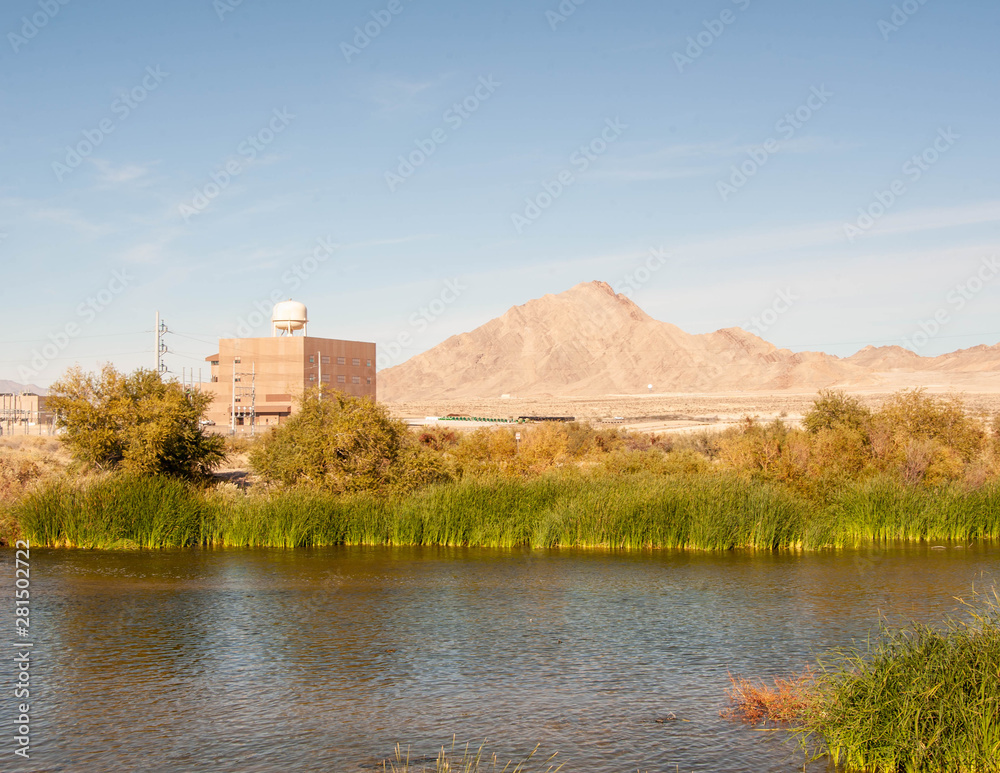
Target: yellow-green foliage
(344,444)
(917,438)
(496,451)
(834,410)
(138,424)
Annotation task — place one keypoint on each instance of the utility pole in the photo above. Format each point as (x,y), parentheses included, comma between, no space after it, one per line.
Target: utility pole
(161,346)
(232,408)
(253,397)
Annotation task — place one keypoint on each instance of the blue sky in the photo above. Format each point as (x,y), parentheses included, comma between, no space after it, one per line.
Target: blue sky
(821,173)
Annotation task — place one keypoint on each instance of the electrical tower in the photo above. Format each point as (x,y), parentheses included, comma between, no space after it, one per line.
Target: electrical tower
(161,346)
(244,399)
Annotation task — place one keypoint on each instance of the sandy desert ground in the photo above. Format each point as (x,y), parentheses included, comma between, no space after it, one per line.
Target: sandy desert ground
(670,411)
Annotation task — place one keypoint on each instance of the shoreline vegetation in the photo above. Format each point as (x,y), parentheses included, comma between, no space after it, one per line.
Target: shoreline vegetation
(917,698)
(623,511)
(343,472)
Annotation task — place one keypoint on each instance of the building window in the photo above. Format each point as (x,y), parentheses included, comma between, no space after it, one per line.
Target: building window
(214,362)
(355,362)
(312,376)
(355,379)
(341,361)
(237,378)
(325,360)
(341,379)
(326,377)
(369,382)
(312,359)
(236,360)
(369,364)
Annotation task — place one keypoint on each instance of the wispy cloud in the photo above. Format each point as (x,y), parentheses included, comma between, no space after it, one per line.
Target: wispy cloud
(395,94)
(69,218)
(389,242)
(939,217)
(822,234)
(685,160)
(666,163)
(110,176)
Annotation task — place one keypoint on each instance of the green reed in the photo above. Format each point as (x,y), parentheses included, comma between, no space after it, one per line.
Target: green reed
(706,511)
(648,511)
(113,512)
(879,510)
(916,699)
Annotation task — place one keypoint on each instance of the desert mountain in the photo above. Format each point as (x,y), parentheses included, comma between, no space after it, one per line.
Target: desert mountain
(12,387)
(590,341)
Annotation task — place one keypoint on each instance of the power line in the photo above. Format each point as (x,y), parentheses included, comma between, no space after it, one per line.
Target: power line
(78,357)
(75,338)
(193,338)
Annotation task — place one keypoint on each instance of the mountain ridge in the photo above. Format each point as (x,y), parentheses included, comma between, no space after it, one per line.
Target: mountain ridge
(589,341)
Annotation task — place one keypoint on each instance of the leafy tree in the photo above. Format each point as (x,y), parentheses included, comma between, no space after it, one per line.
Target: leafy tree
(136,423)
(914,415)
(836,410)
(344,444)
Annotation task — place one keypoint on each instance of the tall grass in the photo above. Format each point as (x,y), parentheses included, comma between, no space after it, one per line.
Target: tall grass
(643,511)
(492,513)
(884,510)
(114,512)
(704,510)
(917,699)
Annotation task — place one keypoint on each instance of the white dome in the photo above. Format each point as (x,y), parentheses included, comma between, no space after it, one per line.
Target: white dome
(289,315)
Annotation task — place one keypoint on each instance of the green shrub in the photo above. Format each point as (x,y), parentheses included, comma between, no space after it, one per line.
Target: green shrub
(344,444)
(916,699)
(137,424)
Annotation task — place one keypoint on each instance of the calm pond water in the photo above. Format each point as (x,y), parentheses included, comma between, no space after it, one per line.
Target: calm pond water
(324,660)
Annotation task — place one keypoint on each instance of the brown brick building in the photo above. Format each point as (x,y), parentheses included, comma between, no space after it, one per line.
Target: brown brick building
(257,381)
(25,413)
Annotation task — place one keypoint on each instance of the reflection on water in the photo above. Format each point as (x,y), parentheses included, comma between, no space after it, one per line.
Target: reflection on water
(323,660)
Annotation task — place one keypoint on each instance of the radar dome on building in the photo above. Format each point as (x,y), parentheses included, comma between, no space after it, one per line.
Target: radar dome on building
(287,317)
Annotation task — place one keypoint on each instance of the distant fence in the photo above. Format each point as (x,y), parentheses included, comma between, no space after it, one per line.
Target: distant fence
(11,427)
